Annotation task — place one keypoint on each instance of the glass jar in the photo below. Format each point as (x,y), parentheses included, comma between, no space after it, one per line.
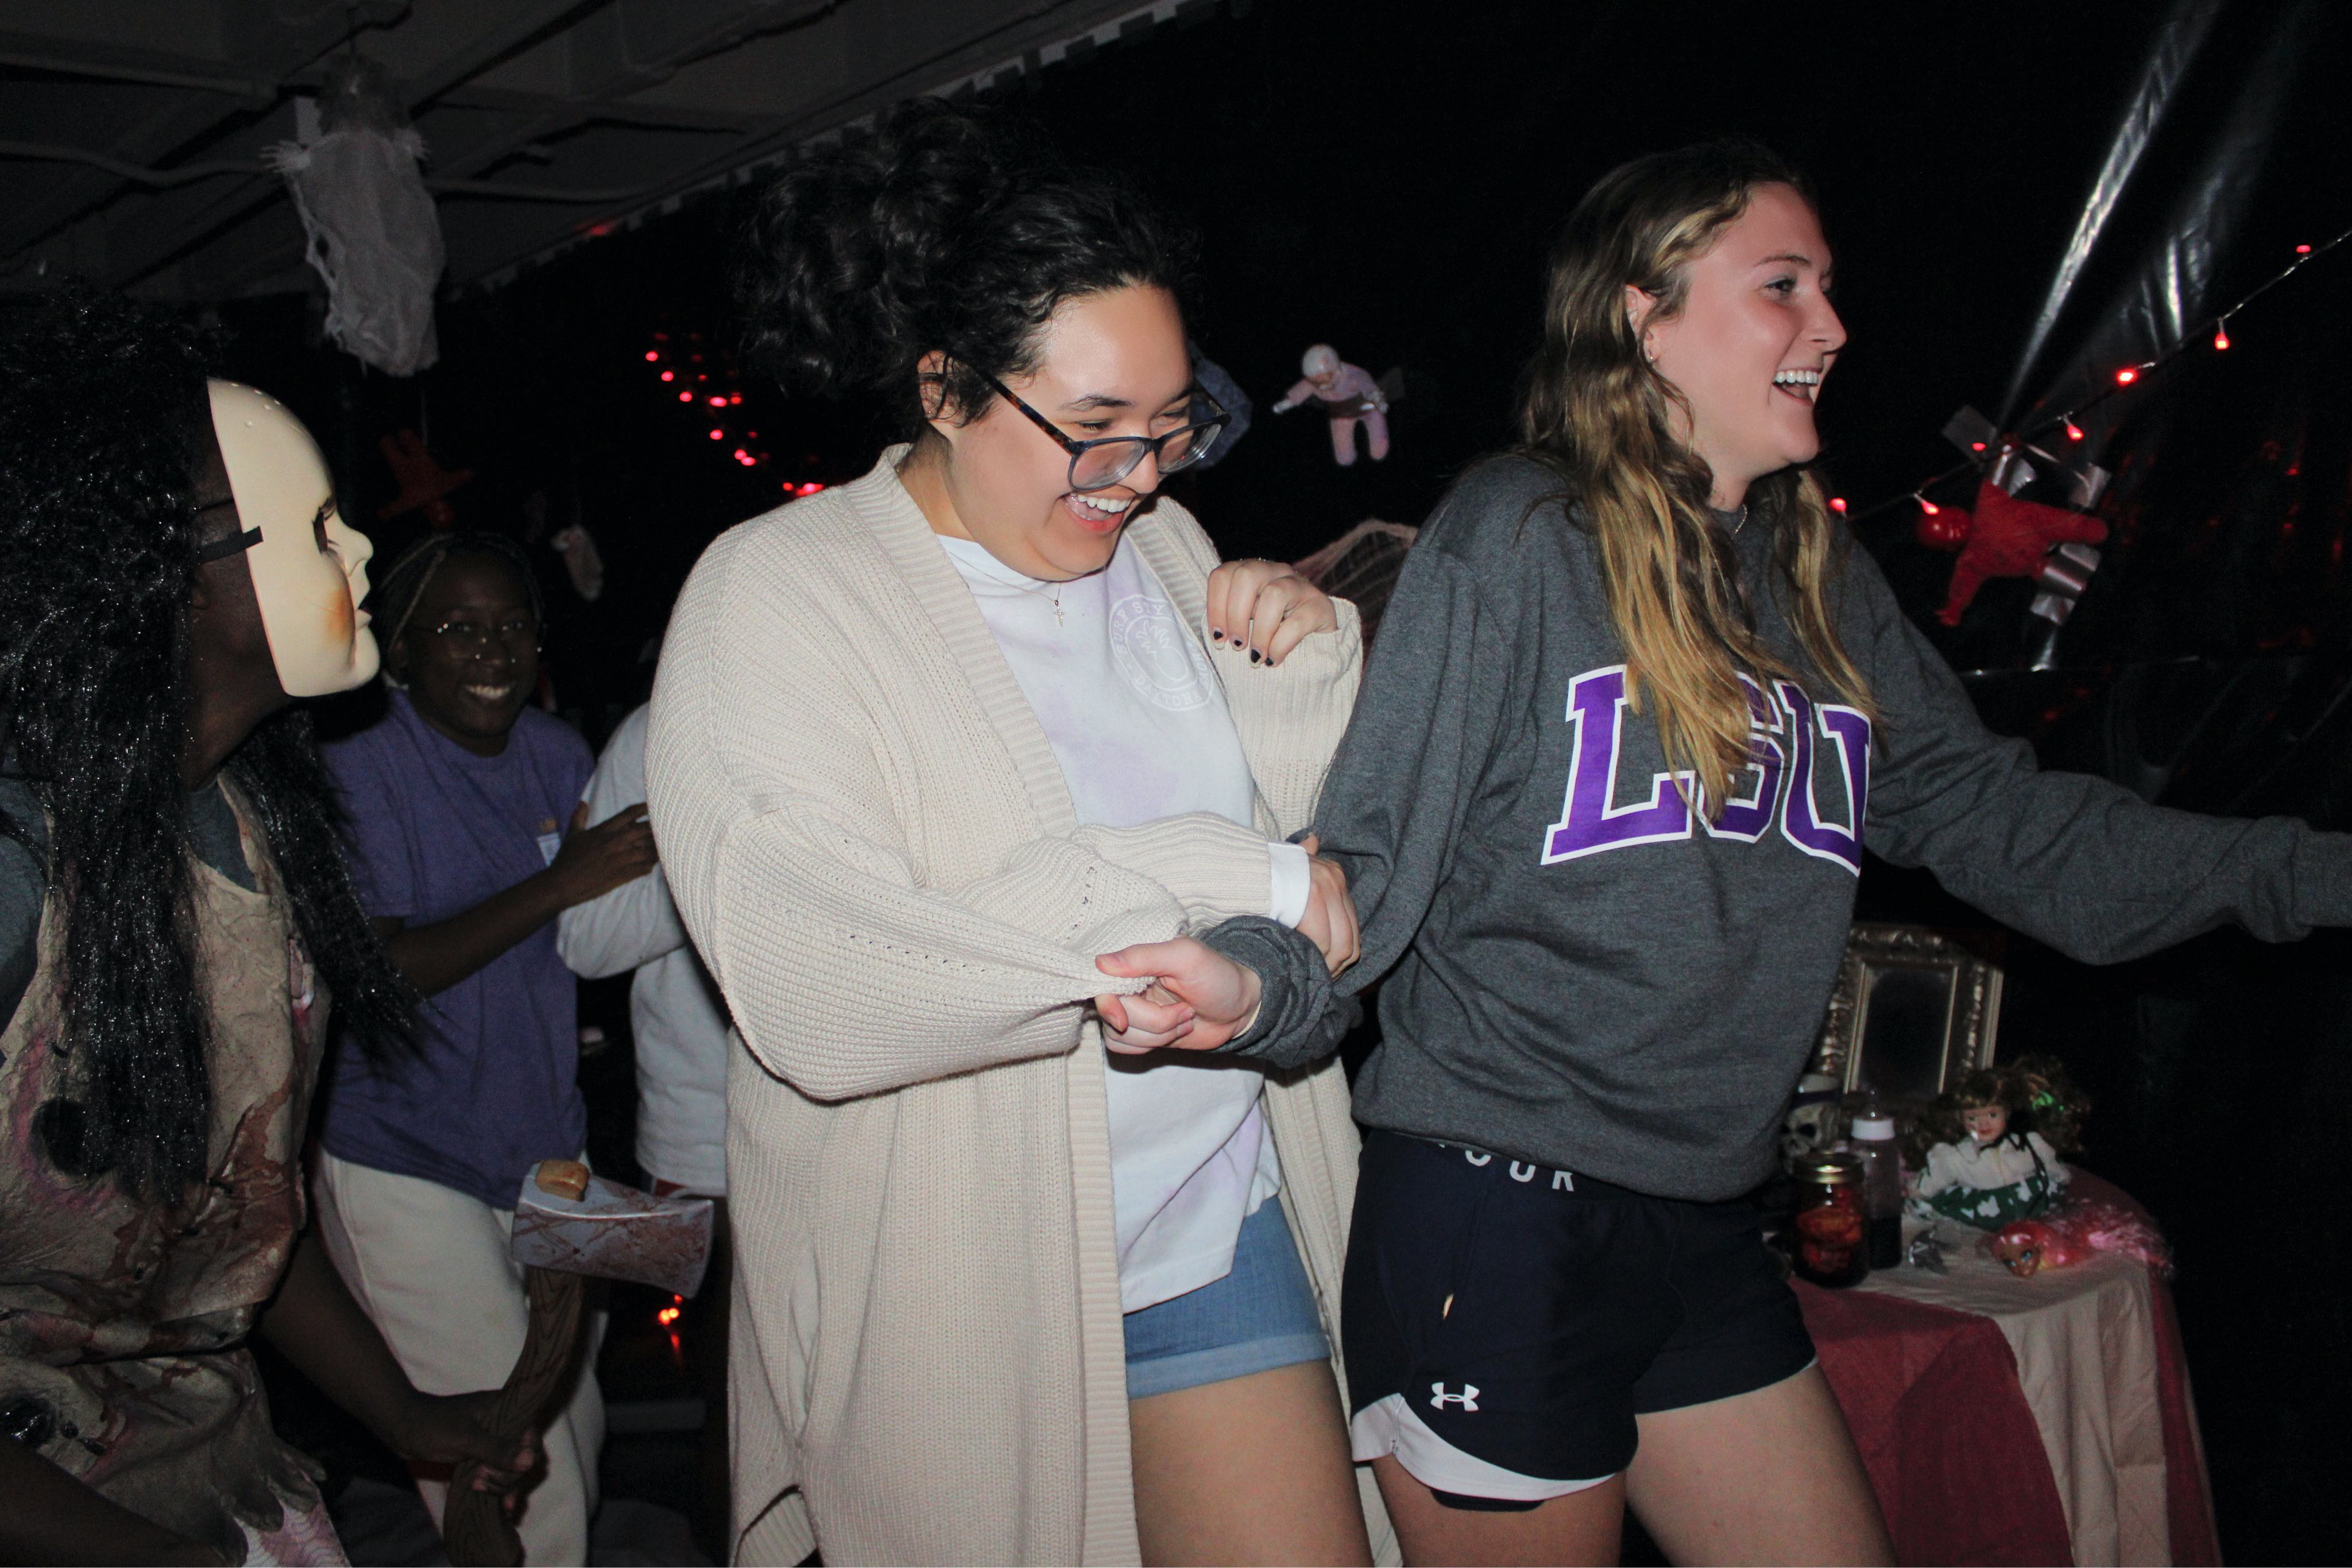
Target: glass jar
(1832,1240)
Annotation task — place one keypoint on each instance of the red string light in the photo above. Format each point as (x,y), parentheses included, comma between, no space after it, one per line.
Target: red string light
(686,397)
(1837,505)
(1926,505)
(653,353)
(718,435)
(669,375)
(2125,376)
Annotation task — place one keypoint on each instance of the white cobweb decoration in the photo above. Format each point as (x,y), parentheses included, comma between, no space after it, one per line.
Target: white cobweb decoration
(374,233)
(1361,566)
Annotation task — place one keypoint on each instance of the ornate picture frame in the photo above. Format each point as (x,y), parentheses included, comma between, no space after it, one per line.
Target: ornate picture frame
(1915,1010)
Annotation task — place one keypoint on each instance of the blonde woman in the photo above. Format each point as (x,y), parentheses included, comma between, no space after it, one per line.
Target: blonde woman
(922,747)
(1638,708)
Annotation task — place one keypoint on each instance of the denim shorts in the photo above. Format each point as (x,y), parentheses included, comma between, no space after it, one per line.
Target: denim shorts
(1260,1316)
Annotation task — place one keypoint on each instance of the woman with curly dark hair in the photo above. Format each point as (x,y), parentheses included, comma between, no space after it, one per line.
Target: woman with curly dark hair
(174,917)
(1015,1287)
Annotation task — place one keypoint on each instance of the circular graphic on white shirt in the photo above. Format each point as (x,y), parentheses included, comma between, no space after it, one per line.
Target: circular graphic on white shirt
(1159,660)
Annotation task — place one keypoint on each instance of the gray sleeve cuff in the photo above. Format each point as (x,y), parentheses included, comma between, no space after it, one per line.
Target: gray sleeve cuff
(1298,1019)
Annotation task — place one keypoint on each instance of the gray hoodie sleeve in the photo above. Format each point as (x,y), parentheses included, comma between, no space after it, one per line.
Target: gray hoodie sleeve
(2077,862)
(1399,785)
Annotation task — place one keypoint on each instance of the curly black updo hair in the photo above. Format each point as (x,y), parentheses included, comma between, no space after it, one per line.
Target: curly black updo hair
(944,227)
(104,421)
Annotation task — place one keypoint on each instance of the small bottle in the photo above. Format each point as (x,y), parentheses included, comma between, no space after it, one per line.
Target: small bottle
(1872,1135)
(1831,1242)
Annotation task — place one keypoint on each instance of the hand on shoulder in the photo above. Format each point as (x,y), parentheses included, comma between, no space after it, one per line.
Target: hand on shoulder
(1265,608)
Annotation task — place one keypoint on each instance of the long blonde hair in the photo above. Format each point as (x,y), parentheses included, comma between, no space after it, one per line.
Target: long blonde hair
(1594,409)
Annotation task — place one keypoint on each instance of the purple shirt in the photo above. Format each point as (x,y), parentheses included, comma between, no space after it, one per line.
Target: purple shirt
(435,830)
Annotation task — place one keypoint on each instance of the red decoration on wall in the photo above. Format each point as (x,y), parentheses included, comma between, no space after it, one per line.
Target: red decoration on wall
(422,481)
(2002,536)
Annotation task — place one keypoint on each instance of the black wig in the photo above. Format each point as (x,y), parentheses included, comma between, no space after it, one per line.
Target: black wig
(944,228)
(103,423)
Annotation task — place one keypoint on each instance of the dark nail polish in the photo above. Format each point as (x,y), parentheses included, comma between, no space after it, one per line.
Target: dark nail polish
(1216,635)
(1257,657)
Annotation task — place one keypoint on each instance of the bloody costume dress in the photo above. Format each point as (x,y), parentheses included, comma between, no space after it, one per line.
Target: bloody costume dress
(123,1321)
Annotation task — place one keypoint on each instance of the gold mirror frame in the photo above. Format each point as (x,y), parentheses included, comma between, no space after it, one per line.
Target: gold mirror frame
(1972,1016)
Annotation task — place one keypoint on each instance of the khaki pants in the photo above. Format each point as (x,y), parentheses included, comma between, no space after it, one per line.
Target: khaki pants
(429,1266)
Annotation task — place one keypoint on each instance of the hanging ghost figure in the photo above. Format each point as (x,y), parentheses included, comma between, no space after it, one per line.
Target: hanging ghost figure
(374,234)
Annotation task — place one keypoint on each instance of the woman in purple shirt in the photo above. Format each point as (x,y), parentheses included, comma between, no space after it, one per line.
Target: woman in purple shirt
(458,803)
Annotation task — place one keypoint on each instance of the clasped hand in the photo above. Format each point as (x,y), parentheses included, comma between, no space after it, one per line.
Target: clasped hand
(1199,999)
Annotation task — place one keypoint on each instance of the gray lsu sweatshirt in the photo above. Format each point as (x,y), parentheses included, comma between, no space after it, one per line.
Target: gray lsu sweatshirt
(1585,973)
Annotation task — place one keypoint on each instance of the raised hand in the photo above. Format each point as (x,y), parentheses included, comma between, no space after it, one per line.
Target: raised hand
(1201,999)
(1265,607)
(594,860)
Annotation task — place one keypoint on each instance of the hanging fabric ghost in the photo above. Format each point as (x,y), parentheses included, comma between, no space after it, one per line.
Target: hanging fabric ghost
(374,234)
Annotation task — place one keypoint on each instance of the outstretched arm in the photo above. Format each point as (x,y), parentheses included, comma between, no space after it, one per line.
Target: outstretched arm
(2077,862)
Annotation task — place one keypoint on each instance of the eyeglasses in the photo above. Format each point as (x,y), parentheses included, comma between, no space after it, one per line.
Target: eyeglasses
(1099,464)
(468,640)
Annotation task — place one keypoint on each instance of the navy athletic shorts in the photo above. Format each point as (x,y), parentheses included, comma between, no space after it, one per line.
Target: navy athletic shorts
(1505,1322)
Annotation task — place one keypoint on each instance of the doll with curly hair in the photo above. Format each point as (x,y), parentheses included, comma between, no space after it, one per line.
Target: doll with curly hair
(1991,1147)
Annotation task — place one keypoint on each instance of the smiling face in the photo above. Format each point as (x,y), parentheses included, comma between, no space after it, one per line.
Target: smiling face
(470,652)
(309,568)
(1108,364)
(1754,339)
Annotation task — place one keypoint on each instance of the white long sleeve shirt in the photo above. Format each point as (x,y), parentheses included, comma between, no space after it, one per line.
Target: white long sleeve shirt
(1136,718)
(675,1010)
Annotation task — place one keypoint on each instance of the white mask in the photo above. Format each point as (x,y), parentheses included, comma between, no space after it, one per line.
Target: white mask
(309,592)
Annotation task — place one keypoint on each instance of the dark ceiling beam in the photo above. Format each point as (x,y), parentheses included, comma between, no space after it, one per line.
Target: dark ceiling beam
(262,50)
(1039,23)
(109,62)
(627,46)
(512,31)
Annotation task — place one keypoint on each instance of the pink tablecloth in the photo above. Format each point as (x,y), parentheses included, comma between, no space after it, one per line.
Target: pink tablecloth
(1959,1458)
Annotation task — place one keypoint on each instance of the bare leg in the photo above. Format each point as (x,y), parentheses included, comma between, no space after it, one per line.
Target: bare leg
(1343,442)
(1766,1477)
(1583,1527)
(1376,435)
(1252,1470)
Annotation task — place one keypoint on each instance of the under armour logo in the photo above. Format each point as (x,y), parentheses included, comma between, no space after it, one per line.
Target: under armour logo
(1468,1398)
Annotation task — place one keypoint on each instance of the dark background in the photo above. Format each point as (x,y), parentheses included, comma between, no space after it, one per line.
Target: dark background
(1385,178)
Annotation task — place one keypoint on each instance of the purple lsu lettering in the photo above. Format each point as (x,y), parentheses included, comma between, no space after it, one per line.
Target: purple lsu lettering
(1786,722)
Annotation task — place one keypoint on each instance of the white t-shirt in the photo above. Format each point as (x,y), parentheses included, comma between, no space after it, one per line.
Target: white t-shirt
(1128,699)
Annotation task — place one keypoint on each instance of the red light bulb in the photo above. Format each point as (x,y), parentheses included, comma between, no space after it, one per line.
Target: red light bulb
(2127,375)
(718,435)
(686,397)
(653,353)
(1927,506)
(2074,431)
(719,402)
(1837,505)
(2303,250)
(2221,335)
(669,375)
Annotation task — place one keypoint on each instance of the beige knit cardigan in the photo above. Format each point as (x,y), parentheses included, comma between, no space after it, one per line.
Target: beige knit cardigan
(870,839)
